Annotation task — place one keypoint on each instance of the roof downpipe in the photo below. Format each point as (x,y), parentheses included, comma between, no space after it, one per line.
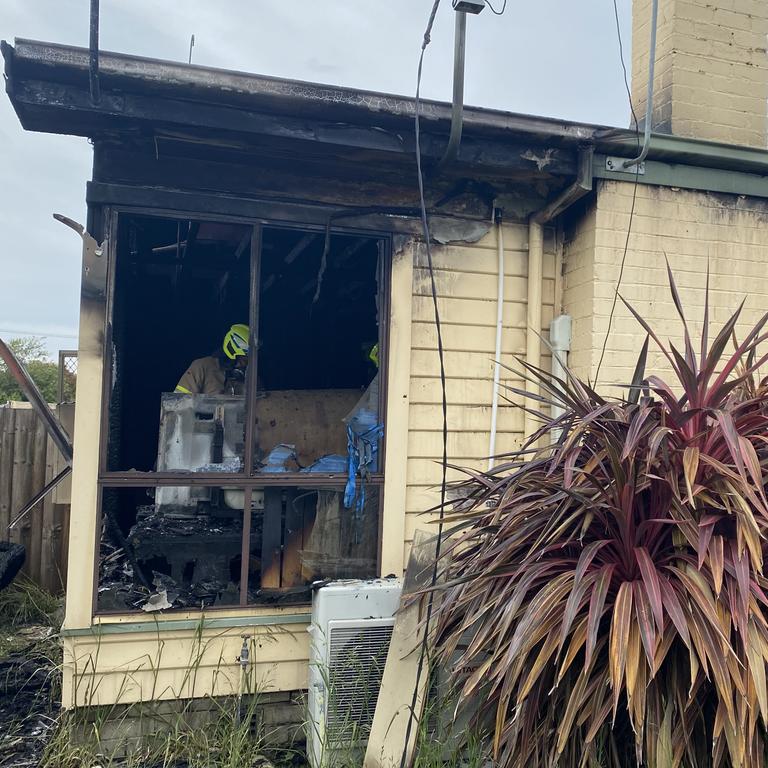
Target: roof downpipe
(457,108)
(580,187)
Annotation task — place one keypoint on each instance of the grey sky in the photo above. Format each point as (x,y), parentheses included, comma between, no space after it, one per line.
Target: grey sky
(552,57)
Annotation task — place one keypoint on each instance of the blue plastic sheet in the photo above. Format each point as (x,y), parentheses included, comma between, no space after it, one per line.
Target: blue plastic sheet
(331,464)
(277,458)
(363,445)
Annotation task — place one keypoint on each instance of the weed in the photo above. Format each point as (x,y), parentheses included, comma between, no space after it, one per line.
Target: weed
(441,742)
(231,739)
(30,672)
(151,734)
(24,602)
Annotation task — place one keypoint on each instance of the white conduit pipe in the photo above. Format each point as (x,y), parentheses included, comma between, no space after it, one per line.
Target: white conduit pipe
(533,323)
(499,325)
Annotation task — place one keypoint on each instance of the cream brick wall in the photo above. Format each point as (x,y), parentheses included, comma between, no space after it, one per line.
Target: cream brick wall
(693,229)
(711,69)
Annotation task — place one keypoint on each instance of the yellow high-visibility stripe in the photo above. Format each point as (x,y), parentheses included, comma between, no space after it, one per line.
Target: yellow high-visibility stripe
(182,390)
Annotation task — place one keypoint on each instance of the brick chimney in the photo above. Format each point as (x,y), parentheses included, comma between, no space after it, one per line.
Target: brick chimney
(711,69)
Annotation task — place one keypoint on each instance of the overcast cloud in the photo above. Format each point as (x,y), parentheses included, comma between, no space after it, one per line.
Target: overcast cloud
(552,57)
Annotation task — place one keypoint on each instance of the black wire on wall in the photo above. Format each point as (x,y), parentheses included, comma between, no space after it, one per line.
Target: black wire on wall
(428,247)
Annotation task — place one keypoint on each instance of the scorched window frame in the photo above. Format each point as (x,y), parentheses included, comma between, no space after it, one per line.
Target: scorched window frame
(248,479)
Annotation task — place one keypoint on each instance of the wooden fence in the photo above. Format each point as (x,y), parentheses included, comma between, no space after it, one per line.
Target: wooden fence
(28,459)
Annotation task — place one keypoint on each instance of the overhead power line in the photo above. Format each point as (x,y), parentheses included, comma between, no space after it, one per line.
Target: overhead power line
(493,10)
(38,332)
(634,197)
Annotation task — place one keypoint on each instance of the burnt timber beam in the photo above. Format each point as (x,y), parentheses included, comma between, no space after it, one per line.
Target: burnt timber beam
(285,180)
(444,227)
(67,108)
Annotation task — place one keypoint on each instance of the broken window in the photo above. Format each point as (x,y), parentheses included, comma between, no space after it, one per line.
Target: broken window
(281,425)
(307,534)
(170,546)
(178,287)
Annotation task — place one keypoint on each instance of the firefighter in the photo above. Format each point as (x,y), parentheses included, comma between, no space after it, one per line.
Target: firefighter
(222,373)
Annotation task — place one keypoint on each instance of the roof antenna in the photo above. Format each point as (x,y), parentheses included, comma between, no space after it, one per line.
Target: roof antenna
(191,46)
(93,58)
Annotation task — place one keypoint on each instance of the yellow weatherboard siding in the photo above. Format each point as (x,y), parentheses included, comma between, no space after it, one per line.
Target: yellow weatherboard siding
(466,277)
(167,663)
(131,667)
(693,229)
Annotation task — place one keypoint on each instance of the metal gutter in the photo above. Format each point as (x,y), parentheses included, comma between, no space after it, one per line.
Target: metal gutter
(183,625)
(581,185)
(62,63)
(683,176)
(685,151)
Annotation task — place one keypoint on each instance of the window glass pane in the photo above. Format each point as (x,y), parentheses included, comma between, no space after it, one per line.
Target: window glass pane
(170,547)
(179,288)
(318,352)
(303,535)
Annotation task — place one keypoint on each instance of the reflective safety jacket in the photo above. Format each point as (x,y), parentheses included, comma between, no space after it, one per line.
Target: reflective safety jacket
(207,376)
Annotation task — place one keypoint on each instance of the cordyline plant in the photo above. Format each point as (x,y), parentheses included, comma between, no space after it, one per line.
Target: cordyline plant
(608,591)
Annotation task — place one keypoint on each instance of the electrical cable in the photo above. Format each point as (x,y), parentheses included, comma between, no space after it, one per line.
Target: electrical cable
(438,329)
(46,334)
(624,70)
(634,197)
(493,10)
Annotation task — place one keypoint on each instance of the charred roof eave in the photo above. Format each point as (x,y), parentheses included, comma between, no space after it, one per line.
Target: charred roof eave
(46,83)
(142,98)
(62,64)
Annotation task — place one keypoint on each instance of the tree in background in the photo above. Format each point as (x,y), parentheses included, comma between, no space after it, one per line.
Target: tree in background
(32,354)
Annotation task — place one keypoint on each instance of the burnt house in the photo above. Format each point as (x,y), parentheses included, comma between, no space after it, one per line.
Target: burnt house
(221,197)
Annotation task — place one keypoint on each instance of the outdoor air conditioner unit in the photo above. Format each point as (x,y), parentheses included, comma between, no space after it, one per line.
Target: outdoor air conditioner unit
(351,628)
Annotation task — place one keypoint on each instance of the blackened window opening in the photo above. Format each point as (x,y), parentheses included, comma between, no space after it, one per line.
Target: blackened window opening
(318,317)
(179,285)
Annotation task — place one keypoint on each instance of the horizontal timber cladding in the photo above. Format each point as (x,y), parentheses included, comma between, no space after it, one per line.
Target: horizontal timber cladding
(128,667)
(466,277)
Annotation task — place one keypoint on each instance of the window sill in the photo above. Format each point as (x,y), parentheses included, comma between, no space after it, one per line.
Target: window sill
(225,618)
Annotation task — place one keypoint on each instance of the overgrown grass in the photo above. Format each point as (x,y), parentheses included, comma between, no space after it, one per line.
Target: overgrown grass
(233,738)
(440,741)
(24,605)
(24,602)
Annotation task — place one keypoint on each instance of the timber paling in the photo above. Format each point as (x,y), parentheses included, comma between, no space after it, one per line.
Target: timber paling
(27,460)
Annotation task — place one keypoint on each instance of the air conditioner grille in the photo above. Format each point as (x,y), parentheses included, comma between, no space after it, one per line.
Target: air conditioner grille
(356,665)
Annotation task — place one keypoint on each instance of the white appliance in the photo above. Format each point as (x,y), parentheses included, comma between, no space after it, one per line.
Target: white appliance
(351,628)
(199,432)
